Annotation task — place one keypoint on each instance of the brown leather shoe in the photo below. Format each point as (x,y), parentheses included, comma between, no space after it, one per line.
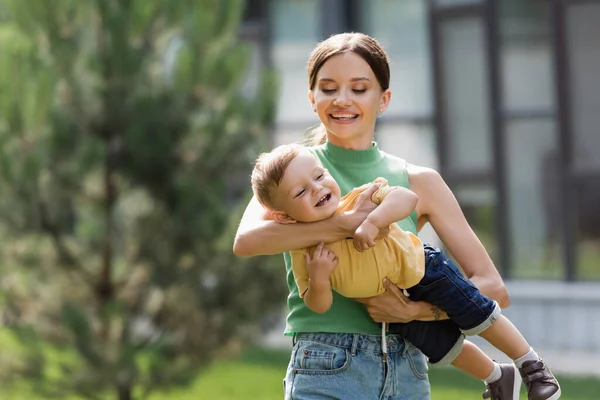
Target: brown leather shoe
(539,381)
(505,388)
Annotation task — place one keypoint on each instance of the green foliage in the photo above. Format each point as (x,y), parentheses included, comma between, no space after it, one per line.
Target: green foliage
(124,129)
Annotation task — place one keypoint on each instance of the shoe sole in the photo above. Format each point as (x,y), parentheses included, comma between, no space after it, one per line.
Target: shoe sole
(555,396)
(517,385)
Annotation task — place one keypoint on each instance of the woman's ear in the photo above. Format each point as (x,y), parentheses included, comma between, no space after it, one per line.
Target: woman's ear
(282,218)
(311,98)
(385,100)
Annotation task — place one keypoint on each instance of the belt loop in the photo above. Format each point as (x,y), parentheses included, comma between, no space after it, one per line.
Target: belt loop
(355,338)
(384,347)
(294,339)
(405,350)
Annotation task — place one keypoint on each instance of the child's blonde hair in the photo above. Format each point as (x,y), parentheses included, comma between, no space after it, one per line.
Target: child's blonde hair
(269,170)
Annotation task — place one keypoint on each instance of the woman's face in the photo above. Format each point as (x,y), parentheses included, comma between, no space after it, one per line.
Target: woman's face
(347,97)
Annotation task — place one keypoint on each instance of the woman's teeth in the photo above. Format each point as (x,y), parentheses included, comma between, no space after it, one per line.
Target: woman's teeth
(344,116)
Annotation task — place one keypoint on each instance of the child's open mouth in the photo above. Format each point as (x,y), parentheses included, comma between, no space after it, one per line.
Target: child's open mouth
(324,200)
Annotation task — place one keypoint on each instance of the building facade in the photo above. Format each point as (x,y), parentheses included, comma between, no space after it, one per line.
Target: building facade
(503,98)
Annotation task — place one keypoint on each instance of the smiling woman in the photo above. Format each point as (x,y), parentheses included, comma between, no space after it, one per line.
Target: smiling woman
(346,93)
(348,81)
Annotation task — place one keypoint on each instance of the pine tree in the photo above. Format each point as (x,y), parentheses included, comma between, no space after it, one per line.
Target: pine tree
(124,129)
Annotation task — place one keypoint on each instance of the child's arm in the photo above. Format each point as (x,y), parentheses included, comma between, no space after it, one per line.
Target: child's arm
(397,205)
(318,296)
(258,234)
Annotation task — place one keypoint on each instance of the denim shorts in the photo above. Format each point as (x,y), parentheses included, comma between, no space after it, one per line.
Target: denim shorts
(447,288)
(350,366)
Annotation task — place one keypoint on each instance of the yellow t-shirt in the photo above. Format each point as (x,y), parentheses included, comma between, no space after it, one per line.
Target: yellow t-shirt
(399,257)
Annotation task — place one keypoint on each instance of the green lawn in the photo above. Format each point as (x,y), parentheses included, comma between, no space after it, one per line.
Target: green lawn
(257,374)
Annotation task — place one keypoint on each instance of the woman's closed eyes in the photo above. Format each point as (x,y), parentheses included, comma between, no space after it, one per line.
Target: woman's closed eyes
(332,91)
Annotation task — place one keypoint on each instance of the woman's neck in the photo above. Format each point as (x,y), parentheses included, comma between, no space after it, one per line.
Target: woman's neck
(362,143)
(353,158)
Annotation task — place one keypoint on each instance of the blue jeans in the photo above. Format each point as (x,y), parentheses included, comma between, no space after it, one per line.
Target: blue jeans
(447,288)
(348,366)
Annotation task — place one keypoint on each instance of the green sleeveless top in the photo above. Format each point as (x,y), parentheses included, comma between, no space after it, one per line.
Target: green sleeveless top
(350,168)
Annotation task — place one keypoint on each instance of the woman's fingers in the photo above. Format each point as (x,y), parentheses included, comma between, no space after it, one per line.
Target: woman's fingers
(390,306)
(389,286)
(368,193)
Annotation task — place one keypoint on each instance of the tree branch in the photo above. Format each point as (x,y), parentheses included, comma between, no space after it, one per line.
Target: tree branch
(57,239)
(149,34)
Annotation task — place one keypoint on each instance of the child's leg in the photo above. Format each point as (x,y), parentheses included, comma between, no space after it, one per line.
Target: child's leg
(473,361)
(504,336)
(539,380)
(446,287)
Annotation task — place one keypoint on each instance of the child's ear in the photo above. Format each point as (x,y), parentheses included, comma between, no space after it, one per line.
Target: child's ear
(282,218)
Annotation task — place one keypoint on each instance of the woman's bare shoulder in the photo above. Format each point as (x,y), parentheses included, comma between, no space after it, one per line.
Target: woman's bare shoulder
(420,176)
(429,186)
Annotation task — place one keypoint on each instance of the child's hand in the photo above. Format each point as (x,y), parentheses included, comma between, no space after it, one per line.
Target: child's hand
(321,264)
(364,237)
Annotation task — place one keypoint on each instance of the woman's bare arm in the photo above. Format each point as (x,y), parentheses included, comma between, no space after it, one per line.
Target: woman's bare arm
(257,234)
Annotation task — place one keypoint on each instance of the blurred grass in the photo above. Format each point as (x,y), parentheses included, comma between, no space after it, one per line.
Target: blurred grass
(257,374)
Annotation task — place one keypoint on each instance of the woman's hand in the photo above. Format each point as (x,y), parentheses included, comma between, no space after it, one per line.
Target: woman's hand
(362,208)
(392,305)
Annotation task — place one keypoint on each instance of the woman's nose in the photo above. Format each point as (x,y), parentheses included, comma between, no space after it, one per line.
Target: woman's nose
(342,99)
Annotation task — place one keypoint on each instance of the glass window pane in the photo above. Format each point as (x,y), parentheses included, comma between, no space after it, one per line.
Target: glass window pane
(524,20)
(456,2)
(414,143)
(533,184)
(402,28)
(479,206)
(295,21)
(584,62)
(295,32)
(465,77)
(587,214)
(526,55)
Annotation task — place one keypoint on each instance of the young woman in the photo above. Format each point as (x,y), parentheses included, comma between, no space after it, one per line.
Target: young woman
(338,354)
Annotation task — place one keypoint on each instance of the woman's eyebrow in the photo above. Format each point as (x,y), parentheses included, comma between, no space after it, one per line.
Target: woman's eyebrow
(360,78)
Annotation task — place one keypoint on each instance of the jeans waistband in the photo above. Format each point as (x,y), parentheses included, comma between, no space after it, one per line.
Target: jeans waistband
(355,341)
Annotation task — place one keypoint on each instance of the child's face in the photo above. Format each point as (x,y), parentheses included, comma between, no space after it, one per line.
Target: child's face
(307,192)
